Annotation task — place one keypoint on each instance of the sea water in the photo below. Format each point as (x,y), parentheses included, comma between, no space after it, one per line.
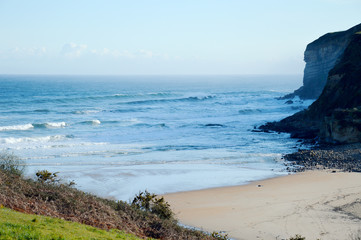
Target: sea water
(116,136)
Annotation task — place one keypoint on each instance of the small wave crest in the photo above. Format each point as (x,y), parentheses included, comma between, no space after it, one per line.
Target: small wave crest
(17,127)
(92,122)
(84,112)
(166,100)
(160,125)
(50,125)
(30,126)
(249,111)
(12,140)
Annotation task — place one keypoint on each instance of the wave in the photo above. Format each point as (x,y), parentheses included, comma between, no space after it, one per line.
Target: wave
(27,111)
(92,122)
(155,101)
(42,111)
(249,111)
(66,99)
(213,125)
(154,94)
(50,125)
(84,112)
(30,126)
(159,125)
(17,127)
(12,140)
(133,109)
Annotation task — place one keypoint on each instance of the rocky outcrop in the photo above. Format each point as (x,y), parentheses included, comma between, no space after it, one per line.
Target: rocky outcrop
(335,116)
(343,126)
(321,56)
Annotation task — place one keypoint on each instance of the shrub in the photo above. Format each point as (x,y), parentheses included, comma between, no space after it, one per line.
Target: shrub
(150,203)
(46,176)
(11,163)
(219,236)
(297,237)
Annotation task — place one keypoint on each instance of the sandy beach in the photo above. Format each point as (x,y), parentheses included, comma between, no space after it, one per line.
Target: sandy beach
(314,204)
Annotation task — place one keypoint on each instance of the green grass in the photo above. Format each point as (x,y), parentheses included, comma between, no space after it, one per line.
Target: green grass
(16,225)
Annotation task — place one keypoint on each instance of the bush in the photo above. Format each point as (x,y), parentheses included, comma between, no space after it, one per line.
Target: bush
(150,203)
(297,237)
(48,177)
(219,236)
(11,163)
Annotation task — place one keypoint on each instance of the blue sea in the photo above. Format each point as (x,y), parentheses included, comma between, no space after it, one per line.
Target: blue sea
(118,135)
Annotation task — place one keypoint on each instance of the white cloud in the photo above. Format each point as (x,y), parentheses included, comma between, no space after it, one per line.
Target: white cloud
(138,54)
(27,52)
(73,50)
(146,53)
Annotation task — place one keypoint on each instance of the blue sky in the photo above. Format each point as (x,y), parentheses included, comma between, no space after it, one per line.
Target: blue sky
(165,36)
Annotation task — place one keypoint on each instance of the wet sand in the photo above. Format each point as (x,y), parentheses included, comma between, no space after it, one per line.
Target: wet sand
(314,204)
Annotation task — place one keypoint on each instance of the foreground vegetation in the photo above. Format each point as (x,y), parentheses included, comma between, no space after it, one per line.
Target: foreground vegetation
(147,217)
(16,225)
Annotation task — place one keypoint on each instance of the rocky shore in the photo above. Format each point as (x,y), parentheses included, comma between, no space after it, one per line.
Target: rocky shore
(334,157)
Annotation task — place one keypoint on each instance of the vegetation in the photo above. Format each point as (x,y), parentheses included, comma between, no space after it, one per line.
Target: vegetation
(297,237)
(16,225)
(219,236)
(150,203)
(11,163)
(46,176)
(147,217)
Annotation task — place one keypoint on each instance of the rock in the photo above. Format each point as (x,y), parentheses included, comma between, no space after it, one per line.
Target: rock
(321,56)
(334,117)
(343,126)
(289,102)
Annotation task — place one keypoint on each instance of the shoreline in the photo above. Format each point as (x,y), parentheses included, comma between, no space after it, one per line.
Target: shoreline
(315,204)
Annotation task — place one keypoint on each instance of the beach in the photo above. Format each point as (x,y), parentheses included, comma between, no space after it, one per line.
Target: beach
(314,204)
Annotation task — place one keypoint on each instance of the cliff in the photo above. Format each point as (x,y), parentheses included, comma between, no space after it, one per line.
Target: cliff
(321,56)
(336,115)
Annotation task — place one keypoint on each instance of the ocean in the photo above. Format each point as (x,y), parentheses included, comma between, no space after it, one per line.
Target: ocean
(117,135)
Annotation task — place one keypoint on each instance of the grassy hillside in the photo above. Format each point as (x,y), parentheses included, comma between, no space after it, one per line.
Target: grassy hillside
(16,225)
(147,217)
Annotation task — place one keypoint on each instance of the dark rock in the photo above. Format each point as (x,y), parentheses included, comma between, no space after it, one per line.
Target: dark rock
(289,102)
(344,157)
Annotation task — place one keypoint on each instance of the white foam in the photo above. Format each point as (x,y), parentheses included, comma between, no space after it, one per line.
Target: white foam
(55,124)
(12,140)
(95,122)
(86,112)
(17,127)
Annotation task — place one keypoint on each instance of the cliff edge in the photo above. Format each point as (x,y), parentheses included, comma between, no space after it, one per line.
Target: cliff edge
(321,56)
(335,117)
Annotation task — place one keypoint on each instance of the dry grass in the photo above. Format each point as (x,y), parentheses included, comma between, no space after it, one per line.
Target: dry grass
(65,202)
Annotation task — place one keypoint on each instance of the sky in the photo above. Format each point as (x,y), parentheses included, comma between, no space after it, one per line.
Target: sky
(116,37)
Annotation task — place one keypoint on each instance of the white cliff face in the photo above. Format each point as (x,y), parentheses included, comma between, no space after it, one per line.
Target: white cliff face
(320,59)
(321,56)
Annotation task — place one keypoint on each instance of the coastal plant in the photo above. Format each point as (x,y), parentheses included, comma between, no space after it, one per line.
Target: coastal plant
(45,176)
(56,200)
(149,202)
(11,163)
(297,237)
(219,236)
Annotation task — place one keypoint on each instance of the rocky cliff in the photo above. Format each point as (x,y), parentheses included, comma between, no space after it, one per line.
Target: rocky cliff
(321,56)
(336,115)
